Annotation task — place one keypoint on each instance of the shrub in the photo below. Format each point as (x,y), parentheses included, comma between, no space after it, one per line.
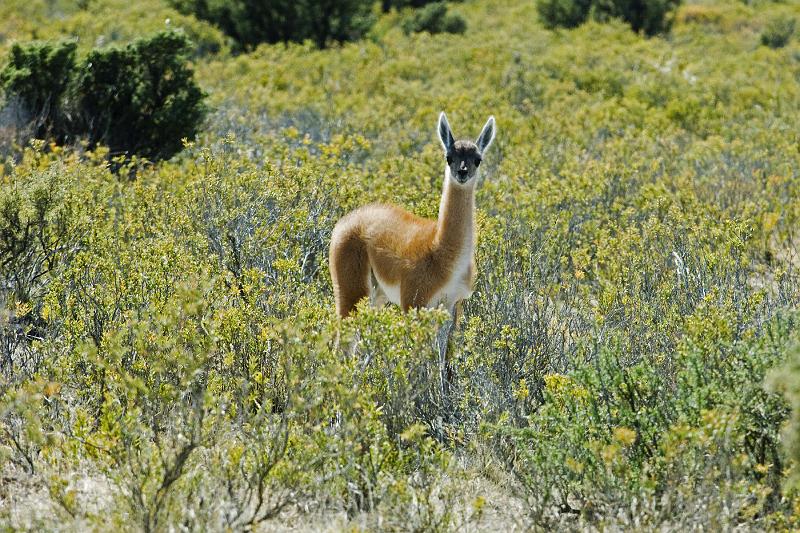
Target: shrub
(102,22)
(387,5)
(37,75)
(251,22)
(699,14)
(785,380)
(614,429)
(454,23)
(40,232)
(434,18)
(141,98)
(648,16)
(563,13)
(778,32)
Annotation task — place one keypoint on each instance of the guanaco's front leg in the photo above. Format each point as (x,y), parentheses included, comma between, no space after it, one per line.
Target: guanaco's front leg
(445,337)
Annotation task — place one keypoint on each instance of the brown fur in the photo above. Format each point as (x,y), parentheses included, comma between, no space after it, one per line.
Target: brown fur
(401,248)
(421,262)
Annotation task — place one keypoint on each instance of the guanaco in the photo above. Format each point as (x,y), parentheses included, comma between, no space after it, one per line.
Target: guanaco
(387,253)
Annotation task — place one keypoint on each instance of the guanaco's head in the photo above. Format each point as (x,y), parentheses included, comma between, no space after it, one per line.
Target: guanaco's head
(464,157)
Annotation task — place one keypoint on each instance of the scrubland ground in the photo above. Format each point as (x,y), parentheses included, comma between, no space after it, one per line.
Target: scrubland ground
(628,361)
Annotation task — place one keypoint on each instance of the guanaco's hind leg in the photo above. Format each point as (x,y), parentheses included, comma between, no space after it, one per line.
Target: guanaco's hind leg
(349,266)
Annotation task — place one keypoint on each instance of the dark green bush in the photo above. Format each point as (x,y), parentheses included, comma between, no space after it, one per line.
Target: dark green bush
(648,16)
(386,5)
(434,18)
(563,13)
(37,75)
(454,23)
(140,99)
(778,32)
(251,22)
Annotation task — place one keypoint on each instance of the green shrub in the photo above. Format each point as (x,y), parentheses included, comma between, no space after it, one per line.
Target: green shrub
(140,99)
(778,32)
(563,13)
(38,75)
(41,228)
(251,22)
(648,16)
(434,18)
(613,429)
(454,23)
(784,379)
(101,23)
(387,5)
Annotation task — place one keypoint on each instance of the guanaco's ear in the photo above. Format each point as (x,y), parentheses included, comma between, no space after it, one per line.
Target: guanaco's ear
(445,133)
(487,135)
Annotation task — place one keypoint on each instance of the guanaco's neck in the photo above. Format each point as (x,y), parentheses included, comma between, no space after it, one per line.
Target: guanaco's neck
(456,225)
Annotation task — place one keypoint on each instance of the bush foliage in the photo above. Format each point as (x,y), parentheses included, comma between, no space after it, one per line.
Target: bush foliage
(387,5)
(778,32)
(649,16)
(37,77)
(564,13)
(138,99)
(434,18)
(251,22)
(169,352)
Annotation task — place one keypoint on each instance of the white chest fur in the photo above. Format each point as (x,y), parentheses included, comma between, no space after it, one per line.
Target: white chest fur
(459,285)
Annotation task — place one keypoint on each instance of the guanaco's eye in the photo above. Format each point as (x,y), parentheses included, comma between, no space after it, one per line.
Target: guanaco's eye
(478,161)
(449,160)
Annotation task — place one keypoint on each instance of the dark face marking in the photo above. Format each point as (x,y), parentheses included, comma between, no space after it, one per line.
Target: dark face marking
(463,161)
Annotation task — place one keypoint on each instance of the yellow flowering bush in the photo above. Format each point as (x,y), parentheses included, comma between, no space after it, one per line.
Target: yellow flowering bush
(170,356)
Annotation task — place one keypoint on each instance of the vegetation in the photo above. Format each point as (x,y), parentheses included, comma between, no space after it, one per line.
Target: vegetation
(251,22)
(169,352)
(778,32)
(36,78)
(434,18)
(649,16)
(564,13)
(140,99)
(387,5)
(96,23)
